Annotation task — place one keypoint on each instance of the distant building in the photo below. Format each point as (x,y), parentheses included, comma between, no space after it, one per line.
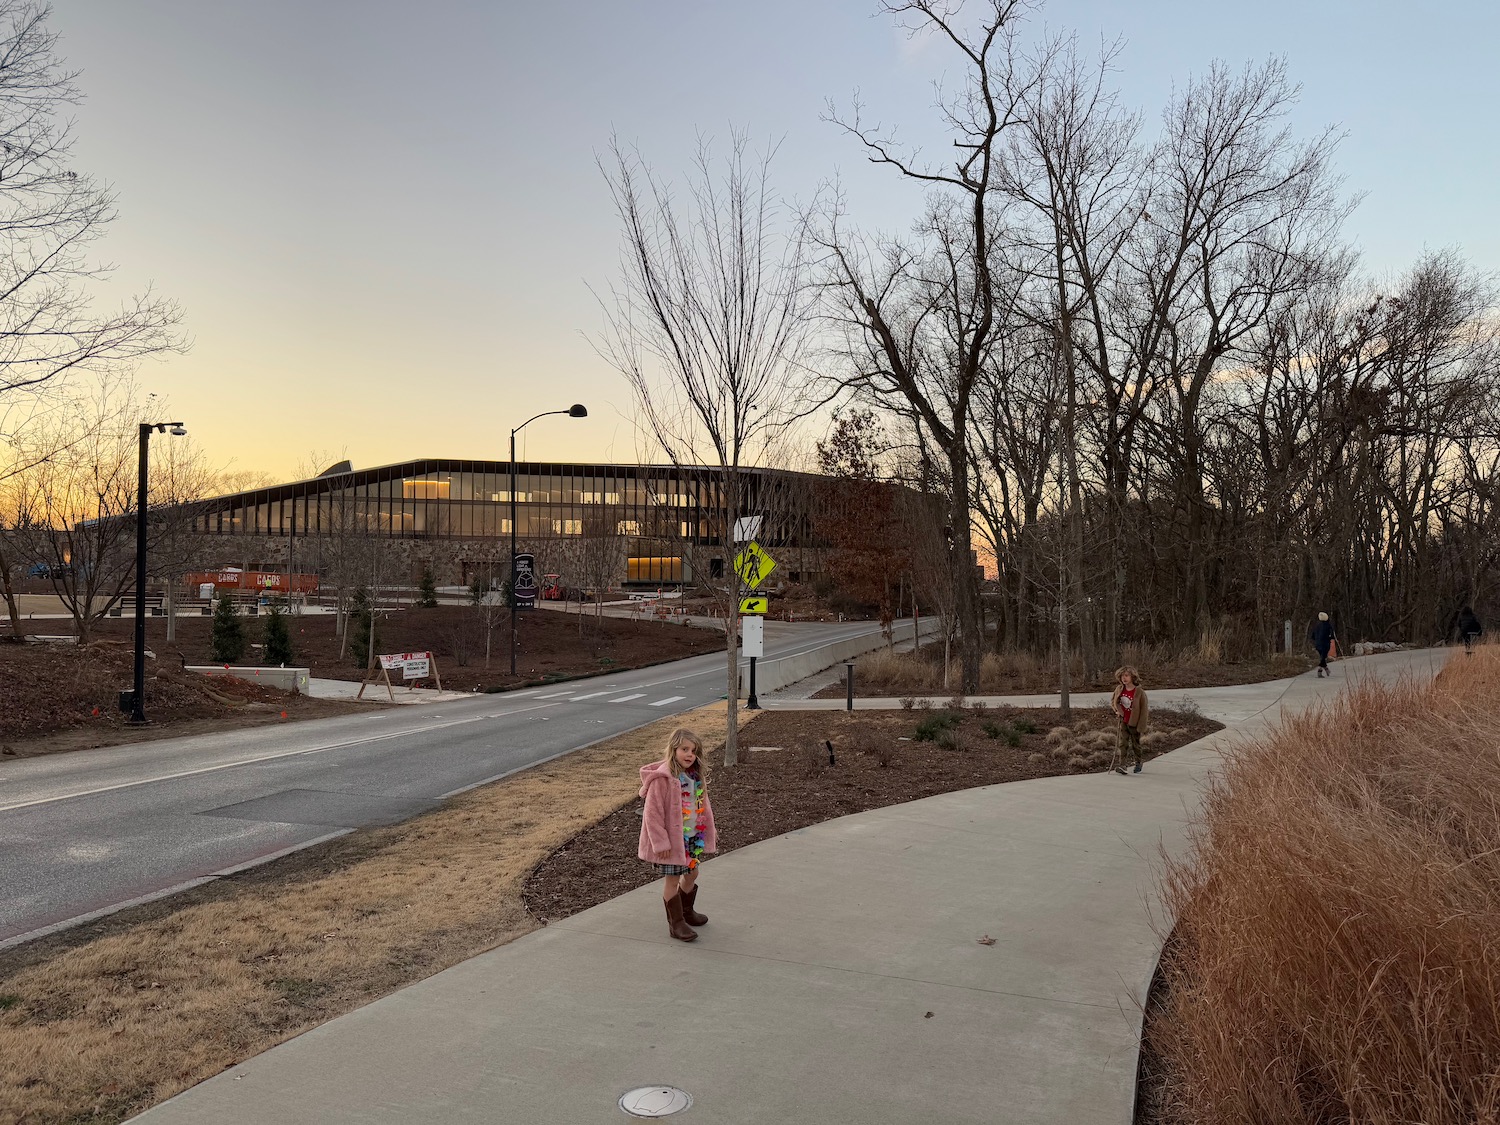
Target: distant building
(666,523)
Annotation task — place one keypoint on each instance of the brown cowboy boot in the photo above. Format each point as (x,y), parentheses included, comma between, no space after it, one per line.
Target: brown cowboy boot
(689,915)
(678,928)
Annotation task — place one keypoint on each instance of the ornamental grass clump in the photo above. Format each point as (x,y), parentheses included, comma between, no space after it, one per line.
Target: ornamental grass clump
(1336,955)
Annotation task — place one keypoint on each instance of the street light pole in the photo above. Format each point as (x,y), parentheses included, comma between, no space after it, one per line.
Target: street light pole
(577,410)
(138,693)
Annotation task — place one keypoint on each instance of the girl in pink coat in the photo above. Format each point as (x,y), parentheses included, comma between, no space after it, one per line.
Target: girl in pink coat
(677,827)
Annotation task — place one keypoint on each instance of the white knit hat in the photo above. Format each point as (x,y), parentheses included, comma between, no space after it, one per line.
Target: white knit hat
(1322,617)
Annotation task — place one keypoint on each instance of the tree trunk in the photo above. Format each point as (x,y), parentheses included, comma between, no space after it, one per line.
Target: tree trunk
(10,600)
(961,567)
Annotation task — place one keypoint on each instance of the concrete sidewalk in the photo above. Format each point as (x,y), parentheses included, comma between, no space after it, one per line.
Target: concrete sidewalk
(840,980)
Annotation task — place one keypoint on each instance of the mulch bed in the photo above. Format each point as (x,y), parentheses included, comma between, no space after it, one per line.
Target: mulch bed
(551,645)
(66,697)
(879,761)
(69,693)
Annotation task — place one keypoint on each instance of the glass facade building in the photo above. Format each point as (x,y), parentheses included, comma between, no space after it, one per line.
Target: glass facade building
(659,511)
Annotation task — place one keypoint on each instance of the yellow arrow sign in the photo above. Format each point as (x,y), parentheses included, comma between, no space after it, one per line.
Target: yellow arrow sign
(753,565)
(755,604)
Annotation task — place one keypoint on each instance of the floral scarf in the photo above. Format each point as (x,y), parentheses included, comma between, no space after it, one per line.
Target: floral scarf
(694,817)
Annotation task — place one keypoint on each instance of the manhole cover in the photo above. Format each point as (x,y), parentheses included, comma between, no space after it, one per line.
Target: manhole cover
(656,1101)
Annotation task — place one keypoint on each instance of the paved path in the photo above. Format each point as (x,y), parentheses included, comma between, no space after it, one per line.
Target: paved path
(839,981)
(87,832)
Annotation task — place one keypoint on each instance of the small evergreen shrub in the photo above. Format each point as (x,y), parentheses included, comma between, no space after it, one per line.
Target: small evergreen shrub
(428,588)
(227,641)
(362,631)
(278,638)
(929,728)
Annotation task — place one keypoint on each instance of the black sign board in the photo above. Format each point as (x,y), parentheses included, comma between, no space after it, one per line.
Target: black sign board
(525,581)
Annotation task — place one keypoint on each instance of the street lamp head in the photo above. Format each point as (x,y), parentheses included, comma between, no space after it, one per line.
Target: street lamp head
(178,429)
(578,410)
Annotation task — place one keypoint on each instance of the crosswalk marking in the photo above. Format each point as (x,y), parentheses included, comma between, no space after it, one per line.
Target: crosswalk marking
(590,695)
(627,698)
(669,699)
(520,694)
(555,695)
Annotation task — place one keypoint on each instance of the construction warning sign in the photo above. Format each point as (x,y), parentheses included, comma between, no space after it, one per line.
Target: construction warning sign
(753,565)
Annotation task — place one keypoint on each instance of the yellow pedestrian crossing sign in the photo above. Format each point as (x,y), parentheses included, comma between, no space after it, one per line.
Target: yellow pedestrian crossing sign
(753,565)
(755,604)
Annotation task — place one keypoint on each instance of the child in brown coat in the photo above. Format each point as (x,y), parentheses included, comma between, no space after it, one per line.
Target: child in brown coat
(1129,705)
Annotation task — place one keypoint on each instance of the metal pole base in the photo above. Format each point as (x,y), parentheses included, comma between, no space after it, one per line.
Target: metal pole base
(753,703)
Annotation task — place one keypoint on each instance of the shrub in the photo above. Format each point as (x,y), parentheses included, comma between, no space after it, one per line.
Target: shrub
(1036,759)
(947,739)
(992,729)
(428,589)
(1012,736)
(1058,735)
(361,625)
(956,701)
(929,728)
(1025,726)
(277,639)
(908,702)
(1078,762)
(227,644)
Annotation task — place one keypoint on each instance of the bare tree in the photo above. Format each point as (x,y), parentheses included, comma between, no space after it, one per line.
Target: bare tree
(72,513)
(707,325)
(50,215)
(919,316)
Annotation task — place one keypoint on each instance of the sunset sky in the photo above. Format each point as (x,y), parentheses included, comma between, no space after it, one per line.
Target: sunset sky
(382,219)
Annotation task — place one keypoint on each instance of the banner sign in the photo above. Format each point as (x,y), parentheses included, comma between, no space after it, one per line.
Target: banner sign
(523,586)
(411,665)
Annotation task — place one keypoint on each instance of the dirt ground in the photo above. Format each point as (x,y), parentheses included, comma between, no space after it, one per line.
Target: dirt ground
(550,645)
(63,697)
(99,1022)
(878,760)
(66,698)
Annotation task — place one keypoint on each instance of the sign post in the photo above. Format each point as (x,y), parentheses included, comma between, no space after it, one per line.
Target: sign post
(752,566)
(753,640)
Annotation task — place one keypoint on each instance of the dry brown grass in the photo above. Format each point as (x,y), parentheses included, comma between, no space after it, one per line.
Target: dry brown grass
(1337,950)
(1204,663)
(96,1025)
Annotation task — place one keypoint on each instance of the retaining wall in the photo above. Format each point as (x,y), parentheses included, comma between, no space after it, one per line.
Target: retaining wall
(773,675)
(287,679)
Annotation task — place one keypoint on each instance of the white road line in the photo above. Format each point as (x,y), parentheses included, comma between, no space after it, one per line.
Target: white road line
(669,699)
(273,757)
(590,695)
(521,694)
(555,695)
(627,698)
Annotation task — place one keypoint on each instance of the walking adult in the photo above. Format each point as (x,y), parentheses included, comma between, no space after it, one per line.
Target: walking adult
(1322,637)
(1469,629)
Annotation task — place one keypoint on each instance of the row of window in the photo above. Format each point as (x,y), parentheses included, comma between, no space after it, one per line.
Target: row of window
(465,505)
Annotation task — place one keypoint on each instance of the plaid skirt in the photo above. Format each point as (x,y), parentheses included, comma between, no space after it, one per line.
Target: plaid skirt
(670,868)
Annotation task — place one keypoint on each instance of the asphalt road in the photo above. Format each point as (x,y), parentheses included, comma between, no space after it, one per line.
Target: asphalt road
(90,831)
